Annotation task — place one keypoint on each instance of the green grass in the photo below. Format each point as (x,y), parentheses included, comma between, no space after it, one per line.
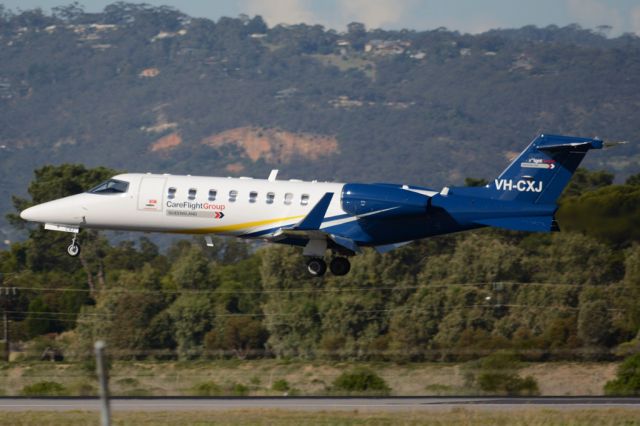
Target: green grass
(528,417)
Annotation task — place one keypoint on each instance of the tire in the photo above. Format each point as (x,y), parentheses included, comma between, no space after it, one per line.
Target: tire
(340,266)
(73,250)
(316,267)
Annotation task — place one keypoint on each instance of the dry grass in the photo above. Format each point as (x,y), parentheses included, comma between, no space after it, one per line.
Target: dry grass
(306,378)
(529,417)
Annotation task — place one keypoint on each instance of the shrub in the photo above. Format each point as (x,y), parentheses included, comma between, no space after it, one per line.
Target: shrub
(498,374)
(361,380)
(280,385)
(43,348)
(90,365)
(627,381)
(206,389)
(83,389)
(128,381)
(44,389)
(508,383)
(239,389)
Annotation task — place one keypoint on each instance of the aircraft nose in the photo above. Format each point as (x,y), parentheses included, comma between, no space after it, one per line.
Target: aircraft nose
(32,214)
(63,211)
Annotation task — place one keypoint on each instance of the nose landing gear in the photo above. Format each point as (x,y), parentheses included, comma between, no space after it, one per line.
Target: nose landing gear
(74,248)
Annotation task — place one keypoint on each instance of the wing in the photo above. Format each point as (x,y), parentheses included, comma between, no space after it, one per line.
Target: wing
(308,230)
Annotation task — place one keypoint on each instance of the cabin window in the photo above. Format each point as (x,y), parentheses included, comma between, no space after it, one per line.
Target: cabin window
(192,194)
(233,195)
(171,193)
(212,194)
(270,197)
(287,198)
(304,199)
(252,196)
(111,186)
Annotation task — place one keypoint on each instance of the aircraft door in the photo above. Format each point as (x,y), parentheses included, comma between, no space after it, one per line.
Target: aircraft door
(151,193)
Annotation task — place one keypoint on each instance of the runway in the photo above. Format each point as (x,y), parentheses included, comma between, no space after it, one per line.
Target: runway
(317,404)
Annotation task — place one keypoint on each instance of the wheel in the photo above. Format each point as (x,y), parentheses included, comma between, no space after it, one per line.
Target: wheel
(73,250)
(340,266)
(316,267)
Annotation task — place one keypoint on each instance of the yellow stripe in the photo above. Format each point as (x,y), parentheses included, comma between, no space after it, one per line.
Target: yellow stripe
(236,227)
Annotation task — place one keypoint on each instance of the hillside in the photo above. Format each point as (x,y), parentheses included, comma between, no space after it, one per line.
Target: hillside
(143,88)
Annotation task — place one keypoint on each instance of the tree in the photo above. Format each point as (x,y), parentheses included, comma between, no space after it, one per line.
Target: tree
(627,381)
(594,327)
(68,13)
(40,319)
(609,214)
(191,270)
(292,317)
(357,33)
(47,250)
(633,180)
(584,180)
(52,182)
(192,316)
(243,336)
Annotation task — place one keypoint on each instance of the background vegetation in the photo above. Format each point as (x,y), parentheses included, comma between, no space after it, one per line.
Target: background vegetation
(101,89)
(445,105)
(563,296)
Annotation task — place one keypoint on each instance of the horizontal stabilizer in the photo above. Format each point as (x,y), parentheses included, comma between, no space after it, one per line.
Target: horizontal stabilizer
(590,144)
(532,224)
(313,220)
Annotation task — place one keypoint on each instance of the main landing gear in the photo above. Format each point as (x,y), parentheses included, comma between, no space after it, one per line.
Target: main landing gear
(74,248)
(338,266)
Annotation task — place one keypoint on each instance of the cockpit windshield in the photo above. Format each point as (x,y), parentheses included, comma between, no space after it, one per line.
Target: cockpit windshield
(111,186)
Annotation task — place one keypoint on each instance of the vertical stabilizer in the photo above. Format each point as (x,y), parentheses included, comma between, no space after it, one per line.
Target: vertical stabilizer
(540,173)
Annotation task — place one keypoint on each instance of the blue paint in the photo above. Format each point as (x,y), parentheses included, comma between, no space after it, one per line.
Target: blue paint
(522,198)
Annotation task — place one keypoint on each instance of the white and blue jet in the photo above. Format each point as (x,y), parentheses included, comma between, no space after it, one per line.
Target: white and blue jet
(318,216)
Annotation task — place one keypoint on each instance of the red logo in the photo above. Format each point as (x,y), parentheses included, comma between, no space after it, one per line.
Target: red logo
(218,215)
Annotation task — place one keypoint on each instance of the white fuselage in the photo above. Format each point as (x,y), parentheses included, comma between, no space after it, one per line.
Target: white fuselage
(192,205)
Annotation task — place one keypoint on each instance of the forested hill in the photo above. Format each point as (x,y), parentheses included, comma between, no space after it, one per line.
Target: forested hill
(141,88)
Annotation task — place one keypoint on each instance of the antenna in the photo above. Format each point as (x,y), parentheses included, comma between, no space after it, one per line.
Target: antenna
(613,144)
(273,175)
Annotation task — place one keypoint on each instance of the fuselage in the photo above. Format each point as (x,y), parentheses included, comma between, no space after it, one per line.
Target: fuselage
(190,205)
(241,207)
(321,216)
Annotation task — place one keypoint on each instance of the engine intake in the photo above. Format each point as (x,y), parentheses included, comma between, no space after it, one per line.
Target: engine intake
(381,201)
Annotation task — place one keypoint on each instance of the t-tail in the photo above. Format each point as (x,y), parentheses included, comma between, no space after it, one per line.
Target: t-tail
(524,196)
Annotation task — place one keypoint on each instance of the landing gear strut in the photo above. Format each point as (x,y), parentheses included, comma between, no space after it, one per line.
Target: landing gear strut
(339,266)
(316,266)
(74,248)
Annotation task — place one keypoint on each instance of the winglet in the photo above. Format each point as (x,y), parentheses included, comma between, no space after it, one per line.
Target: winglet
(313,220)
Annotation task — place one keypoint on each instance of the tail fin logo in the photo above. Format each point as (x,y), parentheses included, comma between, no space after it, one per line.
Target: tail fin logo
(519,185)
(538,163)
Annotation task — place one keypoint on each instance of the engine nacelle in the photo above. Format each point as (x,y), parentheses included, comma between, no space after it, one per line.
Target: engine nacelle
(361,199)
